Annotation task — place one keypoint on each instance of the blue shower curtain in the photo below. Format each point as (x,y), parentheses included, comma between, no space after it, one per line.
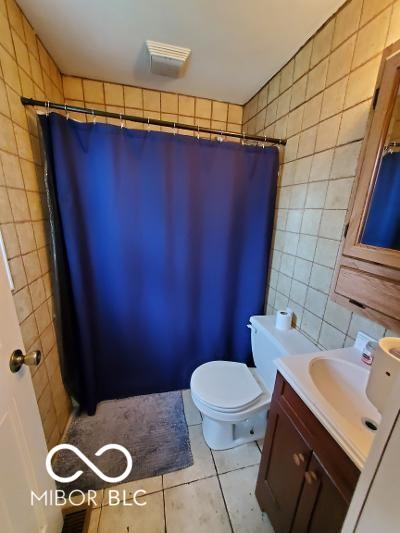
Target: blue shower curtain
(160,246)
(383,222)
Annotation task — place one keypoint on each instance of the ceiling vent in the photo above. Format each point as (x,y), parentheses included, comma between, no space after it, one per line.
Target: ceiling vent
(167,59)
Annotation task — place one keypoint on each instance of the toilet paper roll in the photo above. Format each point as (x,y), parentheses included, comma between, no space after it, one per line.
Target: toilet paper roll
(283,320)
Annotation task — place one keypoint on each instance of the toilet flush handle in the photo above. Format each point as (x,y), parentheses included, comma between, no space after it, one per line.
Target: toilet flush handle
(250,326)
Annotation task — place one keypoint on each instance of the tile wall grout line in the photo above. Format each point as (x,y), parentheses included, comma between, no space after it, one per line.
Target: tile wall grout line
(164,507)
(306,100)
(222,492)
(332,49)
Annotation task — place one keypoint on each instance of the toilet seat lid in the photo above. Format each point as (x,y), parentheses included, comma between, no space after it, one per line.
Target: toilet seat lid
(225,385)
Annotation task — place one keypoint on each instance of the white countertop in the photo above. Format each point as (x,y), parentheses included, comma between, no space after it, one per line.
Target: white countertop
(342,404)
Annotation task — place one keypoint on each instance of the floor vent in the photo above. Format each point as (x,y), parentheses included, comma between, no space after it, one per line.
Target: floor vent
(76,521)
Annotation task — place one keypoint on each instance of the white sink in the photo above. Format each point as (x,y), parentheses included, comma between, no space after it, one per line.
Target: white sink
(343,383)
(332,384)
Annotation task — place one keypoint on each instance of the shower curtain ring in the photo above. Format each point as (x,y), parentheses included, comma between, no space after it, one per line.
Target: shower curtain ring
(198,132)
(94,117)
(47,107)
(148,124)
(66,111)
(174,130)
(120,118)
(265,140)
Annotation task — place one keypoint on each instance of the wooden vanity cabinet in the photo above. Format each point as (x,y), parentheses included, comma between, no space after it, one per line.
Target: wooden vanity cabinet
(321,505)
(306,481)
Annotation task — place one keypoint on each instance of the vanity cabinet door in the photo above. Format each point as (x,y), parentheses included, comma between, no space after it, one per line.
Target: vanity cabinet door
(321,505)
(283,465)
(305,481)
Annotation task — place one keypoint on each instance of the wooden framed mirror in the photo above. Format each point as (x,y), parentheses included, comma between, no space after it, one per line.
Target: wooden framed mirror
(367,276)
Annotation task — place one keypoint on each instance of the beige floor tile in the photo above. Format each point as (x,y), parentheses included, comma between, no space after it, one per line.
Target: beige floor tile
(192,414)
(94,521)
(238,457)
(151,484)
(238,488)
(196,507)
(203,465)
(146,519)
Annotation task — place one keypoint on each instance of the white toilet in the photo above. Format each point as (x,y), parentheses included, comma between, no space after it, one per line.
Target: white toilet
(233,398)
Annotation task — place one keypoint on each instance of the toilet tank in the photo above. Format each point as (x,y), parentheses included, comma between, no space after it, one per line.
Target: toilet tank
(269,343)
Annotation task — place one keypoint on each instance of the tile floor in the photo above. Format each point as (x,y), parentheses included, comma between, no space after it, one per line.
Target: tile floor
(215,495)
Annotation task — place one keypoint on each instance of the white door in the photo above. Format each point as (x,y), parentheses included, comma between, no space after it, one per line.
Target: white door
(22,444)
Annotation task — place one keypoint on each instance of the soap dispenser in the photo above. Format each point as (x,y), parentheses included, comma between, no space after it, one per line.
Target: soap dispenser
(384,370)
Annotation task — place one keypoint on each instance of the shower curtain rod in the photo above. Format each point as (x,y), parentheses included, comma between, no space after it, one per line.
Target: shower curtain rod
(152,121)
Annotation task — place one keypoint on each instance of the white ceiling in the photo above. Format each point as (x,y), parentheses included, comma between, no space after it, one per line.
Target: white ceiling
(236,44)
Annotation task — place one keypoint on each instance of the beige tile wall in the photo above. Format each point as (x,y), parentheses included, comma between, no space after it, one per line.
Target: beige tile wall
(151,104)
(26,68)
(320,101)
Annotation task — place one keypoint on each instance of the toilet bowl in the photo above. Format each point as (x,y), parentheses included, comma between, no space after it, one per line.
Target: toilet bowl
(232,398)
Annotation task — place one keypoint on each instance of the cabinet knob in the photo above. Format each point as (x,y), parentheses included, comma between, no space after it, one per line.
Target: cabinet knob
(310,477)
(298,458)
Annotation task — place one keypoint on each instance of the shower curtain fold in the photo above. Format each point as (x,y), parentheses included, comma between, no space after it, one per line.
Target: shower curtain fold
(160,249)
(382,227)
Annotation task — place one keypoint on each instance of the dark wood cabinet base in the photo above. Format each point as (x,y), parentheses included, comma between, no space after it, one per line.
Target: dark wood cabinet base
(306,481)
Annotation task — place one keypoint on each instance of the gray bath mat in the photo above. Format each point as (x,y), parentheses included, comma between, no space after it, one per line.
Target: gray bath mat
(152,427)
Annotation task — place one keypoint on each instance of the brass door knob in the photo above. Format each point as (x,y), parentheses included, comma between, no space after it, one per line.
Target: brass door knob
(310,477)
(18,359)
(298,459)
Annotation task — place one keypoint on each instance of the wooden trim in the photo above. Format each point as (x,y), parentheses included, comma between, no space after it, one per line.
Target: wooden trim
(388,86)
(366,290)
(374,261)
(367,312)
(373,268)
